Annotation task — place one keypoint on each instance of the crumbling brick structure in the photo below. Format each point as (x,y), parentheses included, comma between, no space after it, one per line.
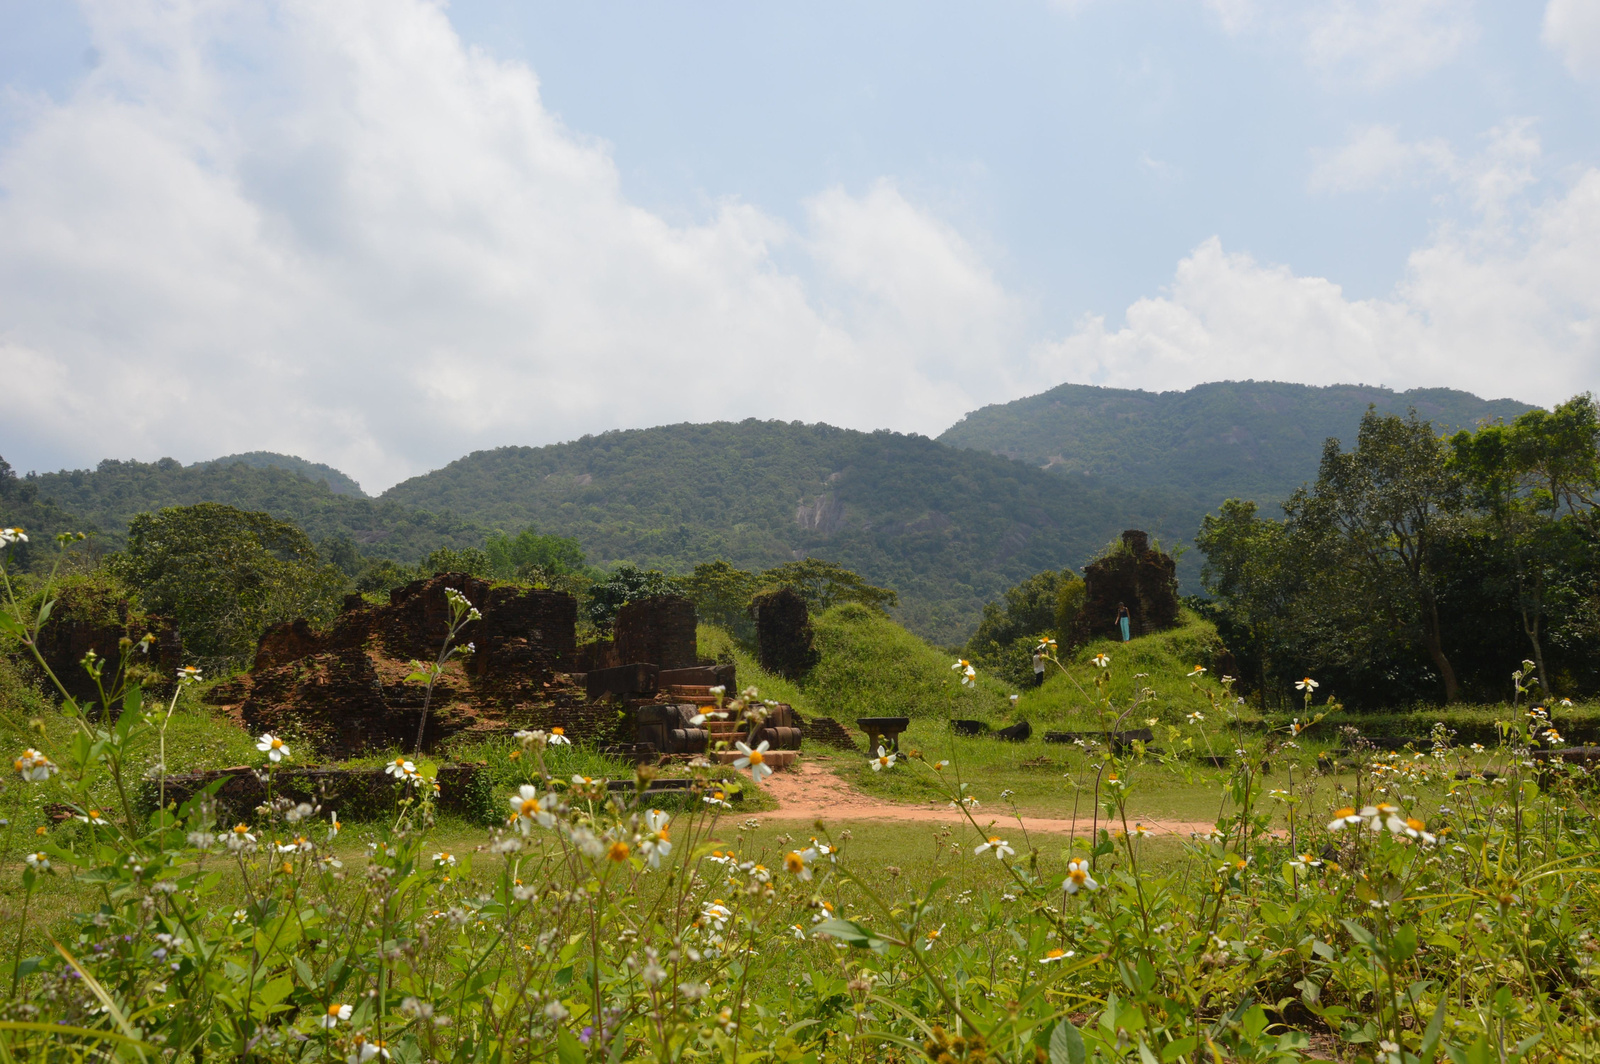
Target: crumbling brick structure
(659,630)
(88,617)
(343,692)
(783,633)
(1136,576)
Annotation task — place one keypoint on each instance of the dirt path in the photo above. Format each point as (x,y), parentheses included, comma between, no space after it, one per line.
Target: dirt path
(811,791)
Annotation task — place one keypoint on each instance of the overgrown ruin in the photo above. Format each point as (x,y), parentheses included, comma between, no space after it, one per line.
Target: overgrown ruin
(1134,575)
(343,692)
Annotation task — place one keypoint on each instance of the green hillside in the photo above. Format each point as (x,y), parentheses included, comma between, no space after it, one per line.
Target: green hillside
(1248,439)
(948,529)
(1186,452)
(103,499)
(337,482)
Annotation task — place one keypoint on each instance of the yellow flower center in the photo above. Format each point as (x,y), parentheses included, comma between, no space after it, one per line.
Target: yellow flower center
(530,806)
(1053,954)
(1414,824)
(794,862)
(1077,875)
(619,851)
(558,731)
(333,1010)
(1340,814)
(240,829)
(756,757)
(277,743)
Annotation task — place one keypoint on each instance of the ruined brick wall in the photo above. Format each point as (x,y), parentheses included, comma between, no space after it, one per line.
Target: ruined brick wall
(783,633)
(93,618)
(344,692)
(1138,577)
(659,630)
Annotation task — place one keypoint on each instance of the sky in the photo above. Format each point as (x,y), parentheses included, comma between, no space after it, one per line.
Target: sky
(384,233)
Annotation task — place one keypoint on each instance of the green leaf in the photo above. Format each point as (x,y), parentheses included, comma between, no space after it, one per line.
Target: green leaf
(275,990)
(1066,1044)
(1178,1047)
(303,970)
(1430,1037)
(850,933)
(9,625)
(1526,1044)
(1361,934)
(44,612)
(568,1049)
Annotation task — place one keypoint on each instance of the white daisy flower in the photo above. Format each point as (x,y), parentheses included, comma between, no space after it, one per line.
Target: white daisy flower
(755,760)
(335,1013)
(1002,849)
(34,767)
(882,761)
(1078,877)
(272,746)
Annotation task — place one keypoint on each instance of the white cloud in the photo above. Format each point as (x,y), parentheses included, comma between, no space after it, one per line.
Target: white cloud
(1507,305)
(1376,158)
(1572,30)
(333,230)
(1489,182)
(1369,42)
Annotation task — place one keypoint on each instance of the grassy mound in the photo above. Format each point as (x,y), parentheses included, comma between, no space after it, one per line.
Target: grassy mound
(872,667)
(1161,663)
(716,644)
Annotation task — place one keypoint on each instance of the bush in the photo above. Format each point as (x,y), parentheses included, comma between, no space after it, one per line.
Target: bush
(223,575)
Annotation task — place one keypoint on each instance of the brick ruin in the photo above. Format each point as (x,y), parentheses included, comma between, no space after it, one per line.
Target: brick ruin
(342,692)
(783,633)
(89,618)
(1137,576)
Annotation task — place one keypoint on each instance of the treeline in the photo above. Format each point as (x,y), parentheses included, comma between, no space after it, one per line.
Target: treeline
(1421,567)
(223,575)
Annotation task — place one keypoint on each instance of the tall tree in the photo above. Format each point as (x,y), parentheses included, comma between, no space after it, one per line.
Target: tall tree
(1251,574)
(1534,481)
(1381,512)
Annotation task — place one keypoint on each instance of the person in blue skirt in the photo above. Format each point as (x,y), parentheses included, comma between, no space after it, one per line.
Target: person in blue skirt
(1124,622)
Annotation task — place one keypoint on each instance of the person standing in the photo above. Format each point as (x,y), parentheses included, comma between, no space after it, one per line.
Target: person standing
(1038,668)
(1124,621)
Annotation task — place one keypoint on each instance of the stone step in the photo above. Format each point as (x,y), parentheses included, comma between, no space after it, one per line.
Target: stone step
(774,759)
(683,690)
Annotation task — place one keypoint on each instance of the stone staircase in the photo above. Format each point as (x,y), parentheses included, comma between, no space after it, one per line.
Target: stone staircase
(722,734)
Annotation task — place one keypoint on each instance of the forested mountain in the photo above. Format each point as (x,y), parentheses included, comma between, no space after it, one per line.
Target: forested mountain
(105,498)
(1254,440)
(946,528)
(1186,452)
(337,482)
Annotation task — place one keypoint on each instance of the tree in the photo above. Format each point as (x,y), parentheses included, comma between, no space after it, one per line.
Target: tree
(1379,515)
(340,549)
(469,560)
(1534,481)
(1249,573)
(722,596)
(1011,628)
(528,550)
(223,575)
(824,584)
(627,583)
